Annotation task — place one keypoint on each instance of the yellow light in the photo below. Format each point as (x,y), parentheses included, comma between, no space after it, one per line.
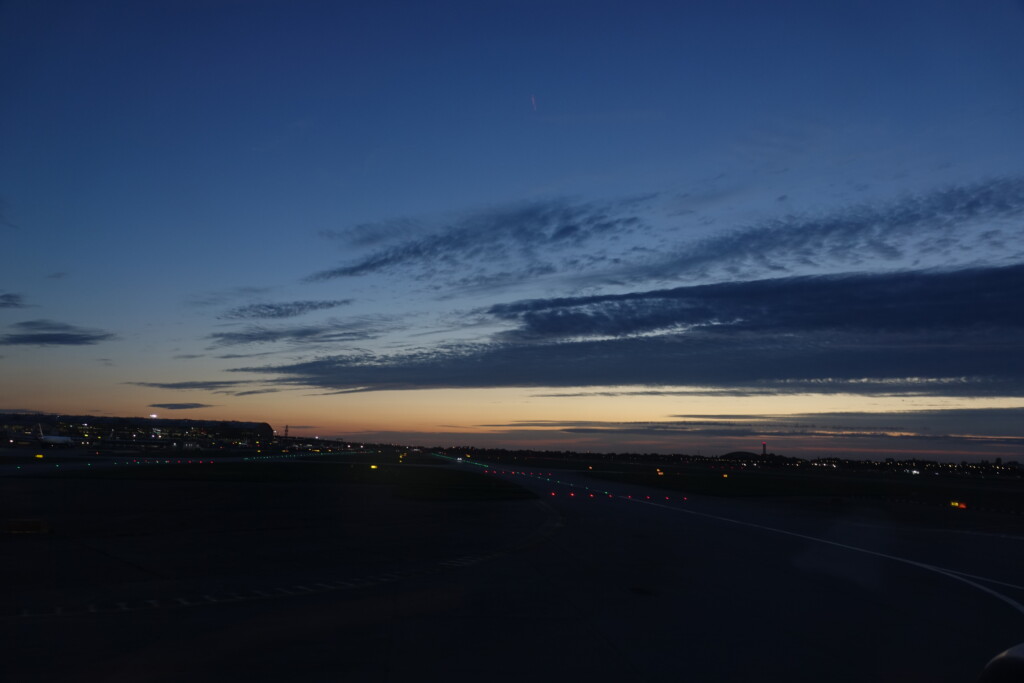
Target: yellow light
(725,476)
(373,467)
(955,504)
(39,455)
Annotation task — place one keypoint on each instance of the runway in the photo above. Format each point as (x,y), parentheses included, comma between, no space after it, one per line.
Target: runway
(625,583)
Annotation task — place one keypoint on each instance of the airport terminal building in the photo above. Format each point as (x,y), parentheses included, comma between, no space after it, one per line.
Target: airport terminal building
(19,429)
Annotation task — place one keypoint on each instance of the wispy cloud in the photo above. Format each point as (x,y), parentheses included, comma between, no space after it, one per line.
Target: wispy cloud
(200,385)
(331,332)
(591,243)
(281,310)
(50,333)
(12,301)
(959,224)
(533,234)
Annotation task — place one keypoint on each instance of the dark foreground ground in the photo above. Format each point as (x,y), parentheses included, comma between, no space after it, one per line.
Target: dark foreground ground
(328,569)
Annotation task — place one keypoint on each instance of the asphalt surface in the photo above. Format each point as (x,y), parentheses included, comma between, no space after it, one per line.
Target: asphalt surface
(353,585)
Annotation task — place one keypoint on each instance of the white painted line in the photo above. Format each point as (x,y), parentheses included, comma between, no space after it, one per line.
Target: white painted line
(953,574)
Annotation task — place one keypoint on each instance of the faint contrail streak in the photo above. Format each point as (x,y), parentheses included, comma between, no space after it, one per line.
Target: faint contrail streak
(533,101)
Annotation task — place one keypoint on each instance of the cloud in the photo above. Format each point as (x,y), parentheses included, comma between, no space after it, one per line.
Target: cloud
(333,332)
(180,406)
(920,332)
(281,310)
(735,362)
(254,392)
(957,224)
(50,333)
(12,301)
(533,233)
(888,302)
(202,385)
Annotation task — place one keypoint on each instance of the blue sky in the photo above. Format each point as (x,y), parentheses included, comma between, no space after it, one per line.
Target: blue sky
(593,225)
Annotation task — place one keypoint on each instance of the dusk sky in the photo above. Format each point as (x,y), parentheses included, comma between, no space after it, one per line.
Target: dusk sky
(610,226)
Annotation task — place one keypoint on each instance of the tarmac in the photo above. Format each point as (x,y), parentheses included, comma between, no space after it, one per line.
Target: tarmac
(158,581)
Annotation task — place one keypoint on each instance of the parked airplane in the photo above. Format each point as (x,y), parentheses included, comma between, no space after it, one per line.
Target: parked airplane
(52,440)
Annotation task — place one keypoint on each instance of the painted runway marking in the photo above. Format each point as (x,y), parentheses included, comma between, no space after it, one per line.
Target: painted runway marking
(950,573)
(954,574)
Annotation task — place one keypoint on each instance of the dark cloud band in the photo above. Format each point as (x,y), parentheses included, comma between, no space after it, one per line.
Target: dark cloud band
(865,333)
(180,406)
(875,303)
(50,333)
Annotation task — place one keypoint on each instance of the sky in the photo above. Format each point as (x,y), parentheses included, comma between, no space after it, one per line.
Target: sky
(570,225)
